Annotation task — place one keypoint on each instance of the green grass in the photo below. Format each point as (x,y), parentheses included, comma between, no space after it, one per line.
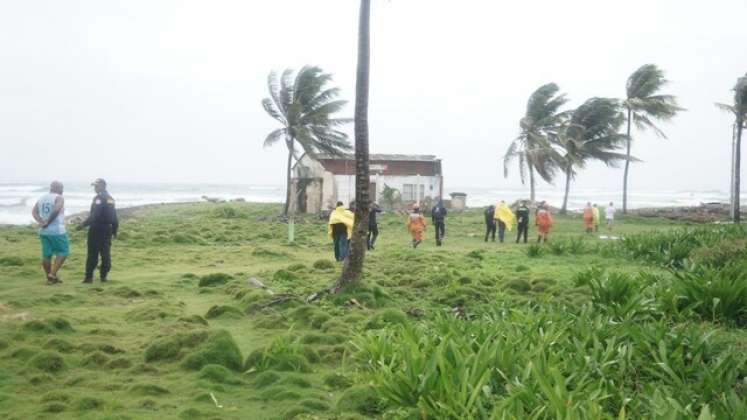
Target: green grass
(577,328)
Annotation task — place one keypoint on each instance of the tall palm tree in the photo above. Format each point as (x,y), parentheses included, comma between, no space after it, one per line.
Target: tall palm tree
(353,266)
(643,105)
(739,109)
(542,117)
(304,106)
(590,134)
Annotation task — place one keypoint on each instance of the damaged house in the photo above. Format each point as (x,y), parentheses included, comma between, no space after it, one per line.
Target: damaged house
(317,184)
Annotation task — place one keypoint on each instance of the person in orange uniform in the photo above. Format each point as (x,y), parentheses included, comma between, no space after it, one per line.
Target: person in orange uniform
(589,218)
(543,221)
(416,226)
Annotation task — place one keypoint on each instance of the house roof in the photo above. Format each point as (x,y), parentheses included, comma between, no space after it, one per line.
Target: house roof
(384,157)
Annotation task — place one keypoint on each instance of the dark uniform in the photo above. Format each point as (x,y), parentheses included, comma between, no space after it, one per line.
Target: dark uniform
(373,227)
(490,222)
(438,216)
(102,224)
(522,217)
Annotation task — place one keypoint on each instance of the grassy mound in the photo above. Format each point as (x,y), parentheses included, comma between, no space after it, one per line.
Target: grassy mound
(49,326)
(172,347)
(215,279)
(223,311)
(220,349)
(50,362)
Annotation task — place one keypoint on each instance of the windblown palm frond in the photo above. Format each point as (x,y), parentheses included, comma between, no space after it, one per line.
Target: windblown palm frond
(305,107)
(644,105)
(531,148)
(592,133)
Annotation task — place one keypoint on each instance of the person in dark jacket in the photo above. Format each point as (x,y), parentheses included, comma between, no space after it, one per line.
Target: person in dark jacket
(103,224)
(438,216)
(489,223)
(522,221)
(373,225)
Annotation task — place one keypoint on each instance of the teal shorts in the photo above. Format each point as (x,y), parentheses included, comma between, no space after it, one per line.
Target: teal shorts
(54,245)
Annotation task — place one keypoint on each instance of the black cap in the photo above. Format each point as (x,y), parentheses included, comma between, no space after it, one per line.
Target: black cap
(99,181)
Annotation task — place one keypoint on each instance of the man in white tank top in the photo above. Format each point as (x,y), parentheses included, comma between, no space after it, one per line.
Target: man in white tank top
(49,213)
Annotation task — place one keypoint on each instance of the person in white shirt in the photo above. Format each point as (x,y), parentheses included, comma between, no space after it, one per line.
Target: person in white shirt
(609,215)
(49,213)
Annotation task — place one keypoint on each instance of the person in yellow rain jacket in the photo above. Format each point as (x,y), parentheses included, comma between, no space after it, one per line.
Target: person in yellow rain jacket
(505,218)
(416,226)
(597,217)
(340,230)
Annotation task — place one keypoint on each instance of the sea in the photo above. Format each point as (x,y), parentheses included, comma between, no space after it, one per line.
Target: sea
(17,199)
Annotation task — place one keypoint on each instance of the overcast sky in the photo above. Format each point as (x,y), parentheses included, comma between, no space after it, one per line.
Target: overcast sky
(170,91)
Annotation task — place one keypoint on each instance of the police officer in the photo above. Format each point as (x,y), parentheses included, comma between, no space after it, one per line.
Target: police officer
(102,225)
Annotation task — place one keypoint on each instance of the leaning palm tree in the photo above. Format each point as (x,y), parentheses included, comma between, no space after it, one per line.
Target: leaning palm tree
(542,118)
(739,109)
(590,134)
(643,105)
(304,106)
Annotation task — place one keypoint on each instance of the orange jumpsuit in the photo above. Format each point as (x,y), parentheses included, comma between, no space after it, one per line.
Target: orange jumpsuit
(543,221)
(416,225)
(589,218)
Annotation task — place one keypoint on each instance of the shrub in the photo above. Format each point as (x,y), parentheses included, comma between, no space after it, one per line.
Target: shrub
(266,379)
(172,347)
(557,247)
(47,361)
(218,374)
(337,381)
(674,248)
(215,279)
(360,399)
(724,252)
(283,354)
(534,251)
(220,349)
(223,311)
(715,293)
(49,326)
(324,265)
(58,344)
(525,363)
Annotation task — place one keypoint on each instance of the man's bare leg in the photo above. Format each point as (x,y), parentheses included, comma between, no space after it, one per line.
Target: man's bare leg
(58,261)
(47,265)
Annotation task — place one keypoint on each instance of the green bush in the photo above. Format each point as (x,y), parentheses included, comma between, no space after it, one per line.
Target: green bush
(220,349)
(324,265)
(360,399)
(172,347)
(535,250)
(215,279)
(223,311)
(47,361)
(283,354)
(526,363)
(715,293)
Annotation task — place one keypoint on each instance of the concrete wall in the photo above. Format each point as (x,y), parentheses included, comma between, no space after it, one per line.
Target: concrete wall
(346,185)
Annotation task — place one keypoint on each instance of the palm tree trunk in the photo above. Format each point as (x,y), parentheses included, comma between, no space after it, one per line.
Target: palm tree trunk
(568,171)
(531,183)
(289,143)
(627,166)
(736,209)
(353,266)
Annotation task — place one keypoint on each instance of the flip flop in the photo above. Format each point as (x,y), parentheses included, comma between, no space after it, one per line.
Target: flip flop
(53,279)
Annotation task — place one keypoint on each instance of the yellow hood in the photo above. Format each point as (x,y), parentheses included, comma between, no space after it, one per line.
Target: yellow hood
(505,215)
(341,215)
